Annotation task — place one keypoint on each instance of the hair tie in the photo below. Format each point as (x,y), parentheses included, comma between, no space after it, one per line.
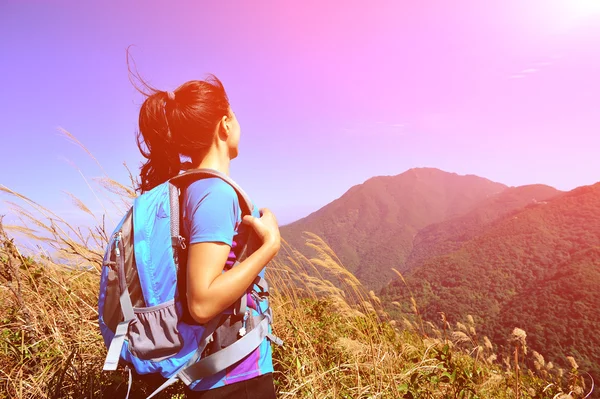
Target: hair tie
(171,95)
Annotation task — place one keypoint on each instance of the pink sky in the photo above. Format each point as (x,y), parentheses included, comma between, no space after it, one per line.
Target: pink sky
(327,95)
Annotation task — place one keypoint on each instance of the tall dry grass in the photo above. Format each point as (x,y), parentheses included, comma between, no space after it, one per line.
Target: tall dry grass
(339,342)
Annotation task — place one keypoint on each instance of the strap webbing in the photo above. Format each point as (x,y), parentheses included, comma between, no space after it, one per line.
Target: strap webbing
(275,339)
(195,370)
(209,330)
(114,350)
(262,284)
(195,174)
(126,306)
(116,345)
(174,206)
(241,306)
(176,240)
(164,386)
(224,358)
(129,382)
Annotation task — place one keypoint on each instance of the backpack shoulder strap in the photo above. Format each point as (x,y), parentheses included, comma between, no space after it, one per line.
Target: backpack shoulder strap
(184,179)
(177,185)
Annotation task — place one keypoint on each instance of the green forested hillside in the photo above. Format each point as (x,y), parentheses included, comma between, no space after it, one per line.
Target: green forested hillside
(537,269)
(449,235)
(561,314)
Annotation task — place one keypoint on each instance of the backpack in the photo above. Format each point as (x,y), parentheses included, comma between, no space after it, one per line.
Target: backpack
(142,306)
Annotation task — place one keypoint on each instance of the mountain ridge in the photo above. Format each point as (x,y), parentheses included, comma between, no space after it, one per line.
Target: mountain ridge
(371,227)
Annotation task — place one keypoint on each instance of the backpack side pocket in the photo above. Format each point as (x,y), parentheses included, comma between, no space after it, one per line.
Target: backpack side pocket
(153,333)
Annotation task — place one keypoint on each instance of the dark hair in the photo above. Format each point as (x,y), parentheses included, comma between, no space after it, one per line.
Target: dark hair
(180,123)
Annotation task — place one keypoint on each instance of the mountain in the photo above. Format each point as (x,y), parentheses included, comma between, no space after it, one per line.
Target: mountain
(536,267)
(449,235)
(372,226)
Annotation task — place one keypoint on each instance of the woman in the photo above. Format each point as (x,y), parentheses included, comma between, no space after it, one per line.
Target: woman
(196,121)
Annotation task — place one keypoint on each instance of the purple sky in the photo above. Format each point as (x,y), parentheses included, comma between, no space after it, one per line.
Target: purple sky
(327,96)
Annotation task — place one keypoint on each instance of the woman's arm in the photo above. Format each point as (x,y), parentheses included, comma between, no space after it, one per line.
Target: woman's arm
(209,290)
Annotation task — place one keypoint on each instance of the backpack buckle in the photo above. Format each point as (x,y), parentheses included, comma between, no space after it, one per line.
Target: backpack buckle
(178,242)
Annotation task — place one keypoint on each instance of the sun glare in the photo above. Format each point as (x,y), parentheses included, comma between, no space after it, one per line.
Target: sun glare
(566,15)
(586,7)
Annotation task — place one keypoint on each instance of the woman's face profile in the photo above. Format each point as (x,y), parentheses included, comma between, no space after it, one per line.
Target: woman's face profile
(234,135)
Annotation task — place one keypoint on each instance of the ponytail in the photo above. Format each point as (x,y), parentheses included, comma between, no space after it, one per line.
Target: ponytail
(176,123)
(163,160)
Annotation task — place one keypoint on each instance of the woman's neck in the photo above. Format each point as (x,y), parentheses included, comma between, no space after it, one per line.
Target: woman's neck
(214,160)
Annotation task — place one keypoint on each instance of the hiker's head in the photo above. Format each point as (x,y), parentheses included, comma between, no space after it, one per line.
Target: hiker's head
(190,121)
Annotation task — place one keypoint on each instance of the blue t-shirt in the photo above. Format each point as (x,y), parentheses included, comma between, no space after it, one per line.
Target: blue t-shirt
(212,214)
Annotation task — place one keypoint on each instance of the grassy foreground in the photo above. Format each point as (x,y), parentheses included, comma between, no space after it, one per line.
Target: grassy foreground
(338,345)
(339,342)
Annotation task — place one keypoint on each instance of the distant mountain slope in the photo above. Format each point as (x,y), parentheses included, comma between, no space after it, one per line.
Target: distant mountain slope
(537,269)
(372,226)
(449,235)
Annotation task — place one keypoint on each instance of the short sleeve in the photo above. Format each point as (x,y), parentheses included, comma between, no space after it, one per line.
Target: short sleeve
(212,211)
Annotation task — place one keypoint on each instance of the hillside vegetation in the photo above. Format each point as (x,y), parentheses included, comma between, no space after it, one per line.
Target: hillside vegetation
(372,226)
(537,268)
(449,235)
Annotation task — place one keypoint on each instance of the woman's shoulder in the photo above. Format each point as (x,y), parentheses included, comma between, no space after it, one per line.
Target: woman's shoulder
(211,185)
(211,196)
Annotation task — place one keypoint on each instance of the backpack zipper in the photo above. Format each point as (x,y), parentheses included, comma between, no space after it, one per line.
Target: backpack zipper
(118,237)
(120,261)
(242,330)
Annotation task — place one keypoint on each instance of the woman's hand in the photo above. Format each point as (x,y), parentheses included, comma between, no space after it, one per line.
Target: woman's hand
(266,228)
(210,291)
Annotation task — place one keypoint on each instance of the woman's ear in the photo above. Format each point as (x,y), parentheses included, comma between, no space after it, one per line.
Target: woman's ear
(224,127)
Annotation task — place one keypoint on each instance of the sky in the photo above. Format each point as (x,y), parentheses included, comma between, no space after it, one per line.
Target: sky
(328,94)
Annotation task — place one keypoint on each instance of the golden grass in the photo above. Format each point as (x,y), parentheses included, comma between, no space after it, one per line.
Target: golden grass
(339,341)
(52,346)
